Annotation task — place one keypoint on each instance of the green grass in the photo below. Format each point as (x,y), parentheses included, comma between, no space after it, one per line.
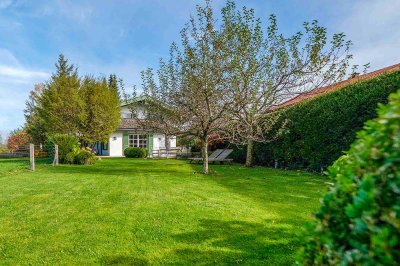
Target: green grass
(139,212)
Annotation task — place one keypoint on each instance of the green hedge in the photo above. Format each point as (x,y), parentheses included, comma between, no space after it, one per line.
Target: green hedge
(134,152)
(359,221)
(321,129)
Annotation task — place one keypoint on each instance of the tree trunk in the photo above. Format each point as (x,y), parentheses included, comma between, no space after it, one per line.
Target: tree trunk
(167,145)
(249,156)
(204,153)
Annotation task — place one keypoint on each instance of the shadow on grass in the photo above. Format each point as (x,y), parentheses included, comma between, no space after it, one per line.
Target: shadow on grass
(123,260)
(127,167)
(237,242)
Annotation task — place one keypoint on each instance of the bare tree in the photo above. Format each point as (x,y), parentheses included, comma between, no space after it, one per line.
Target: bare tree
(267,69)
(190,95)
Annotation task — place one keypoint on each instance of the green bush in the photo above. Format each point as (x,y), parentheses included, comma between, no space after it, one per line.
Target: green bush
(359,221)
(134,152)
(66,144)
(321,129)
(85,157)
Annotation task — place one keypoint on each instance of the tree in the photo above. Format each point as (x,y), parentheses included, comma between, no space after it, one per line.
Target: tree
(87,108)
(101,110)
(193,83)
(113,85)
(16,139)
(267,69)
(34,124)
(62,107)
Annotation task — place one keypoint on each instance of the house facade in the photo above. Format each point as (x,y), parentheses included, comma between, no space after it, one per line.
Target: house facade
(130,134)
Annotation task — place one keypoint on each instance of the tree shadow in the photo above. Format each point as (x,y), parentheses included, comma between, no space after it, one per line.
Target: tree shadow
(123,260)
(128,167)
(237,242)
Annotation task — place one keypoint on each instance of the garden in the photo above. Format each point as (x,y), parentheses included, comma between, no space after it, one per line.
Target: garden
(142,211)
(314,183)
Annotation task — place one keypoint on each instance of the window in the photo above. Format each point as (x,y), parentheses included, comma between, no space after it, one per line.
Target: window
(137,140)
(104,146)
(126,115)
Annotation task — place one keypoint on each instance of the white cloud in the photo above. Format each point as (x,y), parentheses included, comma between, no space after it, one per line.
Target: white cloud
(374,28)
(21,73)
(74,11)
(16,81)
(7,58)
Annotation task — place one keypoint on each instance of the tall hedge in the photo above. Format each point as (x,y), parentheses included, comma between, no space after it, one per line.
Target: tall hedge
(322,128)
(359,221)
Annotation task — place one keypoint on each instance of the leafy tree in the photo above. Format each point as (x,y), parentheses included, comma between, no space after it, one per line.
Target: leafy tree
(101,110)
(34,123)
(268,68)
(62,107)
(359,220)
(192,84)
(87,108)
(16,139)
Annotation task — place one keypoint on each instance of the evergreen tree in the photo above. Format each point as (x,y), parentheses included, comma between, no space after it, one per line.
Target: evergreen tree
(63,68)
(34,123)
(62,108)
(101,109)
(113,85)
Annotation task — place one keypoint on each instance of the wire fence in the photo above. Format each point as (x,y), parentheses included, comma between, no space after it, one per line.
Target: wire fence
(32,154)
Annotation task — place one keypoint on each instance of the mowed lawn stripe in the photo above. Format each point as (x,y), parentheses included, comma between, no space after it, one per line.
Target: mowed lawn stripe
(138,211)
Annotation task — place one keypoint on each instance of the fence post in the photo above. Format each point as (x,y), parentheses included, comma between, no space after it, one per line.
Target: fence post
(32,156)
(55,161)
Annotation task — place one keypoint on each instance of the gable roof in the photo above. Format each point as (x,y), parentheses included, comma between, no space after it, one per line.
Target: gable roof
(128,124)
(330,88)
(136,99)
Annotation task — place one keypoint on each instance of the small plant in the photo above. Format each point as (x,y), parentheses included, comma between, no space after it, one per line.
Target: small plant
(85,157)
(66,144)
(359,221)
(134,152)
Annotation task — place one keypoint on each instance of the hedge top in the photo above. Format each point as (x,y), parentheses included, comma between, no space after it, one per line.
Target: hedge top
(334,87)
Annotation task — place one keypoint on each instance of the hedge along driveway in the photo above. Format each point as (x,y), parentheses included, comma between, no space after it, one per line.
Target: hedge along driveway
(321,129)
(138,211)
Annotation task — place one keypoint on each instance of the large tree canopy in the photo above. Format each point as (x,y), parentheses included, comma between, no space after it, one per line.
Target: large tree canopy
(225,78)
(67,104)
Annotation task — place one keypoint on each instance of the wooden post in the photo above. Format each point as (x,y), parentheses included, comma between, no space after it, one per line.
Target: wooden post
(32,156)
(55,161)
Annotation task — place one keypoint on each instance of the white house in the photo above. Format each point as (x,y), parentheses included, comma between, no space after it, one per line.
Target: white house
(129,134)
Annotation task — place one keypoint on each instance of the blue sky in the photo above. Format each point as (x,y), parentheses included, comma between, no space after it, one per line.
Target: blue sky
(127,36)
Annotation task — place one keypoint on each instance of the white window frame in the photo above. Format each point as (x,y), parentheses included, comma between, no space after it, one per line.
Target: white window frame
(137,140)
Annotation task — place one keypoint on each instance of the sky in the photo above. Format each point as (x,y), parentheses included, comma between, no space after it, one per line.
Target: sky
(127,36)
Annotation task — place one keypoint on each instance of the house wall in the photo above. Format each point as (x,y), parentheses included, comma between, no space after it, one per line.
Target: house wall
(126,112)
(159,142)
(115,144)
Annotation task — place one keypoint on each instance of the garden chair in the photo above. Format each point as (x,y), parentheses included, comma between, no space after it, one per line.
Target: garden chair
(212,156)
(222,157)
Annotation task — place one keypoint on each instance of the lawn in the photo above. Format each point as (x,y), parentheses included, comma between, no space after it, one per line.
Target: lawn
(139,212)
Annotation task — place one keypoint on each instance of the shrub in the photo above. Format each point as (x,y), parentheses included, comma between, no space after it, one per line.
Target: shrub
(321,129)
(16,139)
(359,221)
(85,157)
(134,152)
(66,144)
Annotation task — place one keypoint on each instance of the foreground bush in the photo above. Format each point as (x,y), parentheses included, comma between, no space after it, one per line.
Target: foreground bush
(66,144)
(359,221)
(134,152)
